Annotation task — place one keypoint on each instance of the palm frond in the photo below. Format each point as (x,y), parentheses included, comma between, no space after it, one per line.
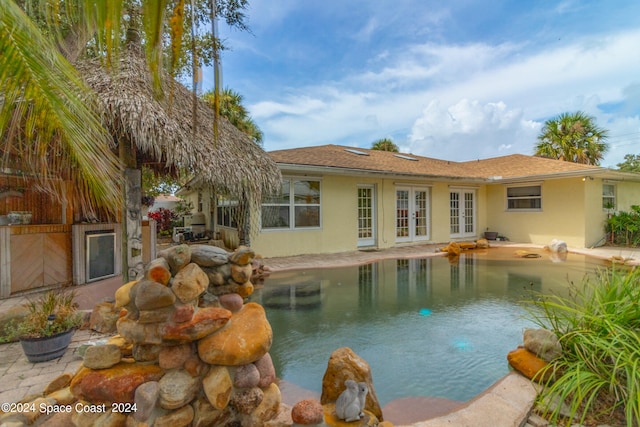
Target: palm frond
(48,128)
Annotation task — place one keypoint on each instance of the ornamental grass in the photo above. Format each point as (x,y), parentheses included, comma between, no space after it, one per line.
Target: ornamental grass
(598,325)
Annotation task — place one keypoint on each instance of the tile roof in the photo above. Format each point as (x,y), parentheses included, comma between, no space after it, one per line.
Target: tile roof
(366,160)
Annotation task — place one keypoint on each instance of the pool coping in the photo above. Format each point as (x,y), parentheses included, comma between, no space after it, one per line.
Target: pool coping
(508,402)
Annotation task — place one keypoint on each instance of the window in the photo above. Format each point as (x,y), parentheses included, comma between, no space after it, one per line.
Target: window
(608,196)
(226,212)
(297,205)
(524,198)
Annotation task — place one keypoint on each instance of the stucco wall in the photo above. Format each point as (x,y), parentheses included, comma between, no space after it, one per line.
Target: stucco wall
(571,211)
(562,215)
(339,221)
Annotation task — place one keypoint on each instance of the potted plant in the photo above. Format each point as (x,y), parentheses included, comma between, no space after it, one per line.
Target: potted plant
(490,235)
(46,331)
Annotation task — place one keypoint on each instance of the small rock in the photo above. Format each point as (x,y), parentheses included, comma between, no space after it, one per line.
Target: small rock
(58,383)
(152,295)
(245,401)
(243,255)
(178,418)
(218,386)
(266,369)
(102,356)
(157,315)
(205,415)
(171,357)
(205,322)
(122,295)
(158,270)
(62,396)
(528,364)
(146,352)
(177,388)
(146,396)
(307,412)
(209,256)
(241,273)
(247,376)
(232,302)
(194,366)
(183,313)
(177,257)
(266,410)
(543,343)
(104,317)
(189,283)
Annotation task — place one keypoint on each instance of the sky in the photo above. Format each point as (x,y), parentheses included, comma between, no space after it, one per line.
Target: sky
(458,80)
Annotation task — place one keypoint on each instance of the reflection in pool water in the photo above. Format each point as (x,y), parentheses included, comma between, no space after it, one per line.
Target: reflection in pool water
(425,326)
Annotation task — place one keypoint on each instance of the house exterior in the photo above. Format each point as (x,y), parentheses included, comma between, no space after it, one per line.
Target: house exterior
(335,198)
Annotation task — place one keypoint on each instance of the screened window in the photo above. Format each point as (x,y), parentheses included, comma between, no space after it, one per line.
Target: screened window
(297,205)
(608,196)
(226,212)
(525,197)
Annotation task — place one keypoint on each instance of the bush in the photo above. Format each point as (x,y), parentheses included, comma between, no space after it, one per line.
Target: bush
(624,227)
(165,218)
(598,375)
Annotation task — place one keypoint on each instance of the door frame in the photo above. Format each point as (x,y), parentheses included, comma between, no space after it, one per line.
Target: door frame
(462,193)
(411,235)
(372,239)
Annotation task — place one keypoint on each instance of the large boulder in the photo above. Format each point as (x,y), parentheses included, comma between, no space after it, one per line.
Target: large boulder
(113,385)
(344,365)
(245,339)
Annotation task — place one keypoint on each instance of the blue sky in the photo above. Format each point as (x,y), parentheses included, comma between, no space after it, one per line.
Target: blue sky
(457,80)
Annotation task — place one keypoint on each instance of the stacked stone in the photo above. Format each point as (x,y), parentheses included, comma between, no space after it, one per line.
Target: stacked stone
(189,350)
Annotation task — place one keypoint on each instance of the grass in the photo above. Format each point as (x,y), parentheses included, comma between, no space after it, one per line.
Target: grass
(598,325)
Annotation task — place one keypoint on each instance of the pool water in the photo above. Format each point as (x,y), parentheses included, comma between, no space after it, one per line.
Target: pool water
(427,327)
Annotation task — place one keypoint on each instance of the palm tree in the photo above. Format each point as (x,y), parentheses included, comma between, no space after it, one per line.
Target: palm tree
(52,126)
(385,144)
(572,137)
(231,107)
(48,126)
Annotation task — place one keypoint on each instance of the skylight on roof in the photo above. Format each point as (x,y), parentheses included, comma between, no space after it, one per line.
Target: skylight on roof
(354,151)
(402,156)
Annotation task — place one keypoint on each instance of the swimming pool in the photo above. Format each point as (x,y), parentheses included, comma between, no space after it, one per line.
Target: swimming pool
(427,327)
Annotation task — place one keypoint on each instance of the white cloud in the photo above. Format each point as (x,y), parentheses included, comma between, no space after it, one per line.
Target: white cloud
(470,129)
(461,102)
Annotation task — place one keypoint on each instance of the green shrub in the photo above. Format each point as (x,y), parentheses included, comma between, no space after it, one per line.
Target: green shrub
(598,326)
(624,227)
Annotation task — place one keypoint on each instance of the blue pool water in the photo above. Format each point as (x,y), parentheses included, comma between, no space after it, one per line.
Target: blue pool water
(427,327)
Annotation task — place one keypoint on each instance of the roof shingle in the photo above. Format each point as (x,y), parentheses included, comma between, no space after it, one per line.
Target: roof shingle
(362,159)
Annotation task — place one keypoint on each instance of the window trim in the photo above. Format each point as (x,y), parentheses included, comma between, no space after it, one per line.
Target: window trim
(614,197)
(292,206)
(224,210)
(529,184)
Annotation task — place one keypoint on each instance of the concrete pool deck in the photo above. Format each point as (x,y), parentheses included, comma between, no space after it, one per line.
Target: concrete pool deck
(507,403)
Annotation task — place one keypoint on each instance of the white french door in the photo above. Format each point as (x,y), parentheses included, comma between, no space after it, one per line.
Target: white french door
(366,216)
(462,213)
(412,214)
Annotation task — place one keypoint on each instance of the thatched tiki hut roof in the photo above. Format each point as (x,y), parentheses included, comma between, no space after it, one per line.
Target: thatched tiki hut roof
(160,127)
(156,126)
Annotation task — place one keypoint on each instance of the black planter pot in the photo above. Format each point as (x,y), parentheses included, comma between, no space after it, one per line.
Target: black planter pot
(46,348)
(491,235)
